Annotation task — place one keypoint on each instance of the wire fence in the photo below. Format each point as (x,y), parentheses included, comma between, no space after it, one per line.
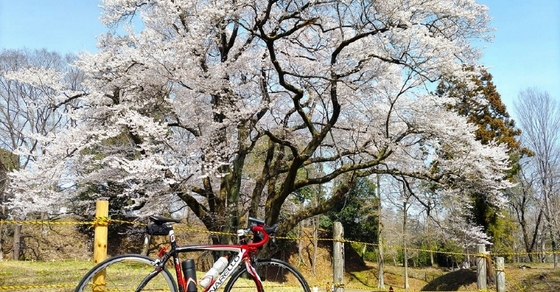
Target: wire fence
(514,284)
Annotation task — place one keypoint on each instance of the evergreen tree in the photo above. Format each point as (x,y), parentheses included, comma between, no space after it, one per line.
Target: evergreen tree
(483,106)
(357,213)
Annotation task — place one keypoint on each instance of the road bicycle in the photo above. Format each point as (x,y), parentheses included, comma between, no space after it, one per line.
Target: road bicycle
(245,271)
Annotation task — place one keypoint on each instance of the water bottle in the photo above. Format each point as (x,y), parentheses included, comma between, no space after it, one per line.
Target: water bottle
(213,273)
(190,275)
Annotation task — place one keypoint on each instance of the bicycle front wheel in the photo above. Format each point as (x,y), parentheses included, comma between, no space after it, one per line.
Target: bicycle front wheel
(276,276)
(129,272)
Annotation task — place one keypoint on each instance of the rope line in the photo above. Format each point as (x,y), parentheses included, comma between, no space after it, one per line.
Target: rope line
(106,221)
(40,222)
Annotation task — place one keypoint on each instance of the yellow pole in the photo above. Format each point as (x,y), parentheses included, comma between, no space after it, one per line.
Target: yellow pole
(100,242)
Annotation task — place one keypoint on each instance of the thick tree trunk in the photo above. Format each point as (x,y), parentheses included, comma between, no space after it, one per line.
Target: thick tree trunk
(290,222)
(17,242)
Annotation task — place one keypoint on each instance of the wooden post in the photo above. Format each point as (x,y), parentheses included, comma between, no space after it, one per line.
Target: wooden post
(500,275)
(481,283)
(100,242)
(338,257)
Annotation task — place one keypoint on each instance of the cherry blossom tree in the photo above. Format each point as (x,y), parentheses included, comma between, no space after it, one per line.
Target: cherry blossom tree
(28,109)
(228,107)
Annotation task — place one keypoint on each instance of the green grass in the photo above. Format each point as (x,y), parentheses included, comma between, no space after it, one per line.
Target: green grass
(64,276)
(41,276)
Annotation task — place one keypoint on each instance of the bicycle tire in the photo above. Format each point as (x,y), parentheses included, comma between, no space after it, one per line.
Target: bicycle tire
(125,273)
(276,276)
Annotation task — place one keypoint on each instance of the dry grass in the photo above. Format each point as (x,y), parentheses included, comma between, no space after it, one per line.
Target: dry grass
(540,277)
(64,275)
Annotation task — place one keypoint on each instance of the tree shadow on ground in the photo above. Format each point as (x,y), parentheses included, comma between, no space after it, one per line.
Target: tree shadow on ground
(452,281)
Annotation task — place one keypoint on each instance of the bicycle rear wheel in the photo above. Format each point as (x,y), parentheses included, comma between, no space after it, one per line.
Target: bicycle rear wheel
(129,272)
(276,276)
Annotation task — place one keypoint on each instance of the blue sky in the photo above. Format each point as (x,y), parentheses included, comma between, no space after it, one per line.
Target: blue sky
(525,51)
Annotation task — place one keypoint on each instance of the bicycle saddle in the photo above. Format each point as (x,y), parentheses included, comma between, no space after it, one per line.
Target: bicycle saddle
(160,220)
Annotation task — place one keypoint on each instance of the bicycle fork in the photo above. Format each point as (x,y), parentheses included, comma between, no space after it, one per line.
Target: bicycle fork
(253,272)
